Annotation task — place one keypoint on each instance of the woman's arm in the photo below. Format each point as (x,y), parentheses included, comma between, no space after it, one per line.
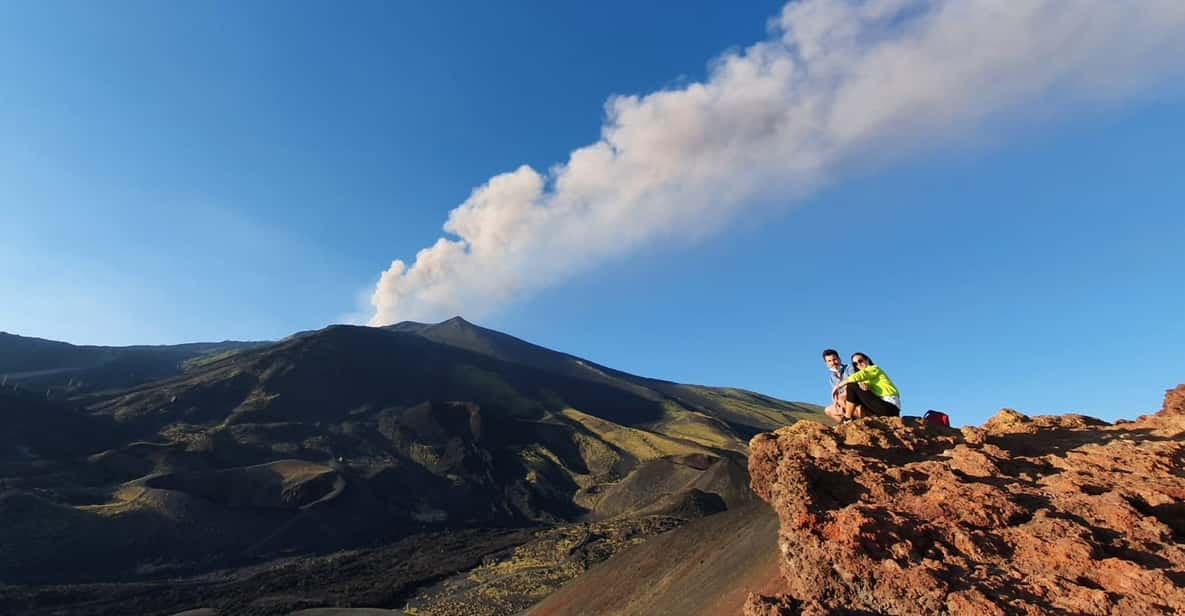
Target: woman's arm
(864,375)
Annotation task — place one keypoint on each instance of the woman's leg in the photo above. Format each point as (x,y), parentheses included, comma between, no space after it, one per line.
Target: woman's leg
(852,407)
(871,404)
(885,409)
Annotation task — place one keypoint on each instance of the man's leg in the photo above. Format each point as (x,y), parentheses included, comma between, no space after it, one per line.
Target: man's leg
(839,405)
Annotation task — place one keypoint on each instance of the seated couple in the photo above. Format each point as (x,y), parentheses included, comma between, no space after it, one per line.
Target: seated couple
(859,390)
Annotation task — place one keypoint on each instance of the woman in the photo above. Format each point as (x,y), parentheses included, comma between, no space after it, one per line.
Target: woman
(869,391)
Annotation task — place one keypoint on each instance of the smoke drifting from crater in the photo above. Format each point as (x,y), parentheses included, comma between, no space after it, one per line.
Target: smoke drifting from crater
(839,86)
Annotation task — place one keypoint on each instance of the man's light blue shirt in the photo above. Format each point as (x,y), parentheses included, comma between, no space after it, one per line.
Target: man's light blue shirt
(836,377)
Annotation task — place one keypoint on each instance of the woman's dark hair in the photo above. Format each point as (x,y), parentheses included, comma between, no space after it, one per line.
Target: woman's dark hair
(866,358)
(829,352)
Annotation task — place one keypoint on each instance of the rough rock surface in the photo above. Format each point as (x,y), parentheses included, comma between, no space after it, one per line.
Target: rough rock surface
(1051,514)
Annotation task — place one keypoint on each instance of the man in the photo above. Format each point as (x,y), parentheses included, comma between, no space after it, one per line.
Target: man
(838,373)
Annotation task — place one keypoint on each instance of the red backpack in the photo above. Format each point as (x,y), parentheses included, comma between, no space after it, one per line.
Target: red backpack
(936,418)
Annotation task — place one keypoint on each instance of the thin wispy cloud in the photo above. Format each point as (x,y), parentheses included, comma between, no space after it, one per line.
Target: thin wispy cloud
(839,86)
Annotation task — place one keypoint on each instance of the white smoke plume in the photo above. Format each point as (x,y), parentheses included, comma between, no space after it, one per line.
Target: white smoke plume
(839,85)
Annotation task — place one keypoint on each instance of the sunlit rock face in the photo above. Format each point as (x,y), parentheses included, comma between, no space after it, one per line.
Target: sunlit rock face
(1051,514)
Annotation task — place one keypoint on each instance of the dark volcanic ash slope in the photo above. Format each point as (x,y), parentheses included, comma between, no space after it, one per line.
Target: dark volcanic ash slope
(704,568)
(65,369)
(1052,514)
(354,435)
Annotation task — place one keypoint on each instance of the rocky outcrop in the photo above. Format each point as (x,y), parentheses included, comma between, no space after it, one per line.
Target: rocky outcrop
(1051,514)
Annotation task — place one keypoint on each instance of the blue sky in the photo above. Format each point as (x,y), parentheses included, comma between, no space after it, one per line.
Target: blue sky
(216,171)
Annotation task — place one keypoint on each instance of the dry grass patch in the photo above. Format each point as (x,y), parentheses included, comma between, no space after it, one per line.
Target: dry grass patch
(641,444)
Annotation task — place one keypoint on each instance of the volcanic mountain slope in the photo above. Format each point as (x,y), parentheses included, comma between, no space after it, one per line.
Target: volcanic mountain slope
(35,427)
(1051,514)
(745,413)
(354,435)
(66,369)
(705,568)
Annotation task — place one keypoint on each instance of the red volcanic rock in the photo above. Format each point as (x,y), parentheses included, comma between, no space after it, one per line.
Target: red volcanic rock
(1174,401)
(1051,514)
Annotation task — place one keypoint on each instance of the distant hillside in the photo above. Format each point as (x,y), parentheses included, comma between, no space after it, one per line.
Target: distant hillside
(356,435)
(67,369)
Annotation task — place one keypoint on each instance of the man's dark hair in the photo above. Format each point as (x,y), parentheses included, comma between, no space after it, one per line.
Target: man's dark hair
(829,352)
